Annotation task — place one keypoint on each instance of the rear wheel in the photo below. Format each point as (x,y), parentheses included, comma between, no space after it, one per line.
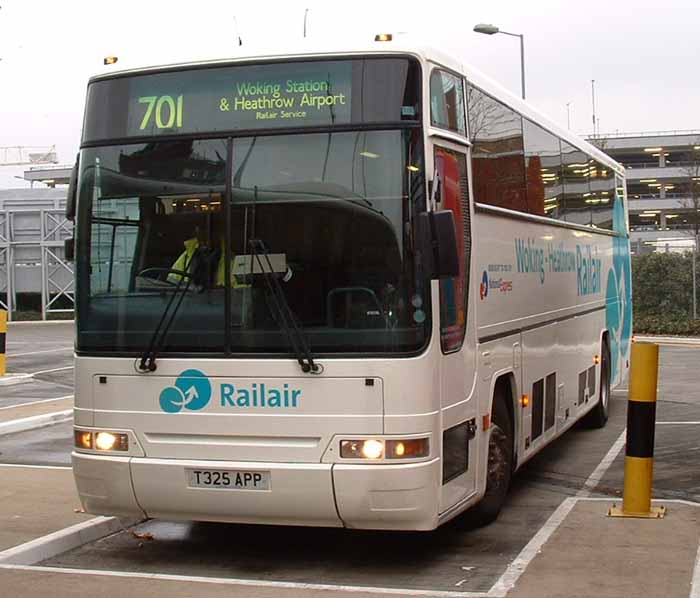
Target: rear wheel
(598,416)
(500,465)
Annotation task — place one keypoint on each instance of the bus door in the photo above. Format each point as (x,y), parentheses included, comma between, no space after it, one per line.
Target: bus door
(458,360)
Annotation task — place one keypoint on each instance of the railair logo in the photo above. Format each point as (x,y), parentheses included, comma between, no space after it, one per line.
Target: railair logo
(192,391)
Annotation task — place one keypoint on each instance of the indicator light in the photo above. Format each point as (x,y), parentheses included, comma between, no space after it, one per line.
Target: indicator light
(410,448)
(83,439)
(110,60)
(383,37)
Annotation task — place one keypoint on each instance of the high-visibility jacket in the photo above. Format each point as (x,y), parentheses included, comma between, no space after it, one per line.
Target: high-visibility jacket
(183,263)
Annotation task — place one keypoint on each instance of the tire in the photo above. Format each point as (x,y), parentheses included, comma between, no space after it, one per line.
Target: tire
(500,464)
(598,416)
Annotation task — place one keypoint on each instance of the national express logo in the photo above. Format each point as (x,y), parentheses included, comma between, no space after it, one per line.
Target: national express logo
(192,391)
(484,286)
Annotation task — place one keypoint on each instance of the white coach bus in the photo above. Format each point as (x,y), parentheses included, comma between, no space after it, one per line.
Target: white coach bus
(354,287)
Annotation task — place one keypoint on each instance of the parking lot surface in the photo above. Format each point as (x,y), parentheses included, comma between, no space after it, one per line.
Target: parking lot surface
(549,494)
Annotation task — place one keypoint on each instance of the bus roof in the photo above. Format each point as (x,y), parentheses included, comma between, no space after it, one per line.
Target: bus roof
(401,44)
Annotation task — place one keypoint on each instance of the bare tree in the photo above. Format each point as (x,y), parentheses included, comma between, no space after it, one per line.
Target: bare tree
(600,142)
(691,176)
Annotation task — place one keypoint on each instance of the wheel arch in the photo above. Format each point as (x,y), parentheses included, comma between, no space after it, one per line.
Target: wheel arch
(505,390)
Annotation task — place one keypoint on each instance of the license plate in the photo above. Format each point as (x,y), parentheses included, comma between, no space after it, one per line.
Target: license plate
(228,479)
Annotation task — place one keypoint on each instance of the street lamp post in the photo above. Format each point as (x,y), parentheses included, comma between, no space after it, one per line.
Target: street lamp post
(491,30)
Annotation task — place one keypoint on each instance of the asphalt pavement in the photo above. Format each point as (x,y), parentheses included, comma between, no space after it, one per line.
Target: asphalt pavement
(552,538)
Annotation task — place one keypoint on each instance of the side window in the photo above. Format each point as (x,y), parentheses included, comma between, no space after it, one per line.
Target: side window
(542,170)
(447,102)
(619,220)
(498,161)
(576,170)
(602,184)
(452,167)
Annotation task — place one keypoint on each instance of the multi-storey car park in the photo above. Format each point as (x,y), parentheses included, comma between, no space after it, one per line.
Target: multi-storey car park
(663,185)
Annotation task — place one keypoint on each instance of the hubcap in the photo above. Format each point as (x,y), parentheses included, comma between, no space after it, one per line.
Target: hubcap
(605,385)
(498,459)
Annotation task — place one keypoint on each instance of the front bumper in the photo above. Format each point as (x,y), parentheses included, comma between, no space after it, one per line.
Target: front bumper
(401,496)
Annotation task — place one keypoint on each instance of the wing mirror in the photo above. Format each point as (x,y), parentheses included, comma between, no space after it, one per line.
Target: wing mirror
(438,241)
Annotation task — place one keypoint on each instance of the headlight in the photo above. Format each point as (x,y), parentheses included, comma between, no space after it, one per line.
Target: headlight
(101,441)
(393,448)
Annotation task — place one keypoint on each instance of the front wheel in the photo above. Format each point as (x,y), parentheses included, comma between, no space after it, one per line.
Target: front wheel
(500,465)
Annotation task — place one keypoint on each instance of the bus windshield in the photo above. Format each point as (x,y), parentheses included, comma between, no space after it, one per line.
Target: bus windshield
(334,211)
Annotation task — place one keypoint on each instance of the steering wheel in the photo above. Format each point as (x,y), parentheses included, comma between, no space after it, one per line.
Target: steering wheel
(161,274)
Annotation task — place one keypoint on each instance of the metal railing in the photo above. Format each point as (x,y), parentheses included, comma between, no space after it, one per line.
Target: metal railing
(37,243)
(616,134)
(640,228)
(669,164)
(669,195)
(5,276)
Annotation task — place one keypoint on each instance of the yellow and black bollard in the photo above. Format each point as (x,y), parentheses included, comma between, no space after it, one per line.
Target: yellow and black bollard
(3,343)
(641,422)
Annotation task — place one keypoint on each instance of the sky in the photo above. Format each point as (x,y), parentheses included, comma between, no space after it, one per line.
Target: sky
(642,54)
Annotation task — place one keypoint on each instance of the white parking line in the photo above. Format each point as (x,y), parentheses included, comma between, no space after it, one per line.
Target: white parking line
(51,371)
(11,354)
(678,423)
(290,585)
(61,541)
(498,590)
(35,421)
(36,466)
(517,567)
(36,402)
(695,583)
(599,472)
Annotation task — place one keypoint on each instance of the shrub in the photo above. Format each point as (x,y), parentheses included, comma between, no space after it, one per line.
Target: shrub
(662,294)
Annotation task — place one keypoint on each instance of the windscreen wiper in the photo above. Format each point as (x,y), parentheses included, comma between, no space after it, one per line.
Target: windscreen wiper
(284,314)
(147,362)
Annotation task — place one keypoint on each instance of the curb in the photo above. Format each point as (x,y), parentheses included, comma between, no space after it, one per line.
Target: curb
(34,322)
(35,421)
(12,379)
(669,340)
(48,546)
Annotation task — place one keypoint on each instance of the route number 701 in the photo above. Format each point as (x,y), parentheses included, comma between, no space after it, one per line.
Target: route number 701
(157,105)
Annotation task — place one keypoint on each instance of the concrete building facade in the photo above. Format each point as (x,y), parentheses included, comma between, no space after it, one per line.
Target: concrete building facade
(663,186)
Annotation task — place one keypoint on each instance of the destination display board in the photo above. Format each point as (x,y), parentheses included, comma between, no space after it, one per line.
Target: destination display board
(259,96)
